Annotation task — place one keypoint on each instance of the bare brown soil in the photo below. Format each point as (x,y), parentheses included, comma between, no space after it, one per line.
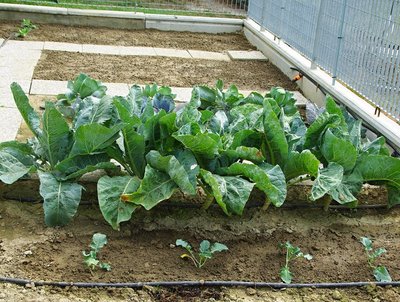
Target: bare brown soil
(144,251)
(56,65)
(147,38)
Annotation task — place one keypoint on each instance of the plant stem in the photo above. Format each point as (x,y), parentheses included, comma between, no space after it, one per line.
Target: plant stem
(196,263)
(266,204)
(300,179)
(326,201)
(287,259)
(209,199)
(202,262)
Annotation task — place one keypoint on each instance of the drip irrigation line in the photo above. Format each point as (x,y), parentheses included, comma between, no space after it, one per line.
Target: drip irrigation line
(248,206)
(138,285)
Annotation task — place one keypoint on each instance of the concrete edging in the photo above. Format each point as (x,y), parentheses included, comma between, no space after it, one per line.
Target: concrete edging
(285,57)
(117,19)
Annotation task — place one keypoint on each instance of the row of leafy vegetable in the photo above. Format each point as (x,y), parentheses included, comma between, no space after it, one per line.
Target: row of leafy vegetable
(224,142)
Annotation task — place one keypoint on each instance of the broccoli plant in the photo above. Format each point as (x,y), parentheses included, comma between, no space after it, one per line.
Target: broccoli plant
(292,253)
(206,251)
(90,259)
(380,272)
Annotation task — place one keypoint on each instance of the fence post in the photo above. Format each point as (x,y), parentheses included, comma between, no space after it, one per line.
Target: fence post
(317,36)
(339,45)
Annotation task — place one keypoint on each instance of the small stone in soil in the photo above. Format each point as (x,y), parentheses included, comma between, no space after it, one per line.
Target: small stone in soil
(172,246)
(251,291)
(30,285)
(336,295)
(27,253)
(289,230)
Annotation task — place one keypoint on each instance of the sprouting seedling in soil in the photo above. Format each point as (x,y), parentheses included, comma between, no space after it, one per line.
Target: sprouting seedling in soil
(90,259)
(26,27)
(206,251)
(380,272)
(292,253)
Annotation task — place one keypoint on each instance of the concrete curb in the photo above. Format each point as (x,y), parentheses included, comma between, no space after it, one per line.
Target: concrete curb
(117,19)
(285,57)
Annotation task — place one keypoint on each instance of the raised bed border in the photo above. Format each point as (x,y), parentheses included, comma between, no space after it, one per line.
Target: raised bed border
(116,19)
(27,190)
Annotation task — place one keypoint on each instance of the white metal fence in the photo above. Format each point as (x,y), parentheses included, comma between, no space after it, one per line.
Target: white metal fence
(356,41)
(228,7)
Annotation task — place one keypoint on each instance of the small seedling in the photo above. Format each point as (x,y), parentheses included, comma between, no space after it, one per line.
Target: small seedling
(90,259)
(26,27)
(292,253)
(206,251)
(380,272)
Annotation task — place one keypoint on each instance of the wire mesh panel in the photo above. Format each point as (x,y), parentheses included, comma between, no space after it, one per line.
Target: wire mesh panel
(300,30)
(357,42)
(230,7)
(369,58)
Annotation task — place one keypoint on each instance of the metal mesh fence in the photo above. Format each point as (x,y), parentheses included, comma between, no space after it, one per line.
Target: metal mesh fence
(355,41)
(218,7)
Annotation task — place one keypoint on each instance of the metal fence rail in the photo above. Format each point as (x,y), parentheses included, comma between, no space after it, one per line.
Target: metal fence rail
(226,7)
(357,42)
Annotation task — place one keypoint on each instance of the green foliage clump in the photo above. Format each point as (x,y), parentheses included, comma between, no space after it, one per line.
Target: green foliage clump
(206,251)
(222,141)
(292,253)
(90,259)
(380,272)
(25,29)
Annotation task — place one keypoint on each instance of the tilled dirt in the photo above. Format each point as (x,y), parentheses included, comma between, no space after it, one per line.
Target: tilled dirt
(147,38)
(144,251)
(58,65)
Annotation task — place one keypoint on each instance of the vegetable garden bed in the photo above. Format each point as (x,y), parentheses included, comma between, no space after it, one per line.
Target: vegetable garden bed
(222,142)
(146,38)
(224,152)
(178,72)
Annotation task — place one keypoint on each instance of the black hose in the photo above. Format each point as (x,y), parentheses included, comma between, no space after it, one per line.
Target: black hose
(139,285)
(187,205)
